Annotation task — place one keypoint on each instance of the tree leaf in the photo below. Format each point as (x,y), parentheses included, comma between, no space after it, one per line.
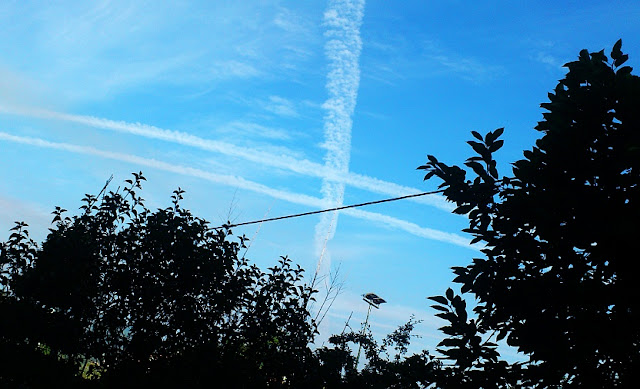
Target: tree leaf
(449,294)
(439,299)
(463,209)
(495,146)
(616,52)
(618,62)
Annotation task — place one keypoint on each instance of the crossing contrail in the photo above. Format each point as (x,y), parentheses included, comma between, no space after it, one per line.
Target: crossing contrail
(239,182)
(280,161)
(342,19)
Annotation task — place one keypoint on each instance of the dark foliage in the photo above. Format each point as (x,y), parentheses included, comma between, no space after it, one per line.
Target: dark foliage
(120,296)
(386,364)
(131,296)
(557,281)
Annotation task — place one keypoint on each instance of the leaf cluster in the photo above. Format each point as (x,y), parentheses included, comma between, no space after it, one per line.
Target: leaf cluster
(557,280)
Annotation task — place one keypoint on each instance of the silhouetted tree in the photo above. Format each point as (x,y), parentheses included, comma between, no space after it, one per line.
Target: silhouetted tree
(132,296)
(386,364)
(122,296)
(558,278)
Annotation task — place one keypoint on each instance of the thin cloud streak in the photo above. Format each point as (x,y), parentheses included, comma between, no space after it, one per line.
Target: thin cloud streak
(343,19)
(300,166)
(412,228)
(239,182)
(228,180)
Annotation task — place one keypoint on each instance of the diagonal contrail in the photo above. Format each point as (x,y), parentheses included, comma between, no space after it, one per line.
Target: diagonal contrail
(239,182)
(343,19)
(223,179)
(280,161)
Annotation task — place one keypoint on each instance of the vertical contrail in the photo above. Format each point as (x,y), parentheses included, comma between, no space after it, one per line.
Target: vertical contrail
(342,20)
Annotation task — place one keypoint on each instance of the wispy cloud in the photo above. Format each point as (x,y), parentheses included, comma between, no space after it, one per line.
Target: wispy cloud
(280,106)
(97,50)
(231,69)
(467,68)
(239,182)
(144,71)
(280,161)
(405,59)
(544,52)
(228,180)
(548,59)
(248,129)
(302,34)
(292,22)
(448,60)
(343,19)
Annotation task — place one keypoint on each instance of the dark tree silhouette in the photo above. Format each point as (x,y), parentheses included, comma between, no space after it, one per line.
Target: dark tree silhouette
(558,277)
(386,364)
(130,296)
(122,296)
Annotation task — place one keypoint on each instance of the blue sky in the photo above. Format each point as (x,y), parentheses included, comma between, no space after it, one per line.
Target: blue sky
(266,108)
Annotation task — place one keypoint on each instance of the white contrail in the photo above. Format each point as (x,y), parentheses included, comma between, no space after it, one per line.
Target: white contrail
(412,228)
(239,182)
(229,180)
(343,19)
(280,161)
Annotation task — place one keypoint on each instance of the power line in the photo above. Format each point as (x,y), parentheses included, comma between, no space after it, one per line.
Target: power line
(328,210)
